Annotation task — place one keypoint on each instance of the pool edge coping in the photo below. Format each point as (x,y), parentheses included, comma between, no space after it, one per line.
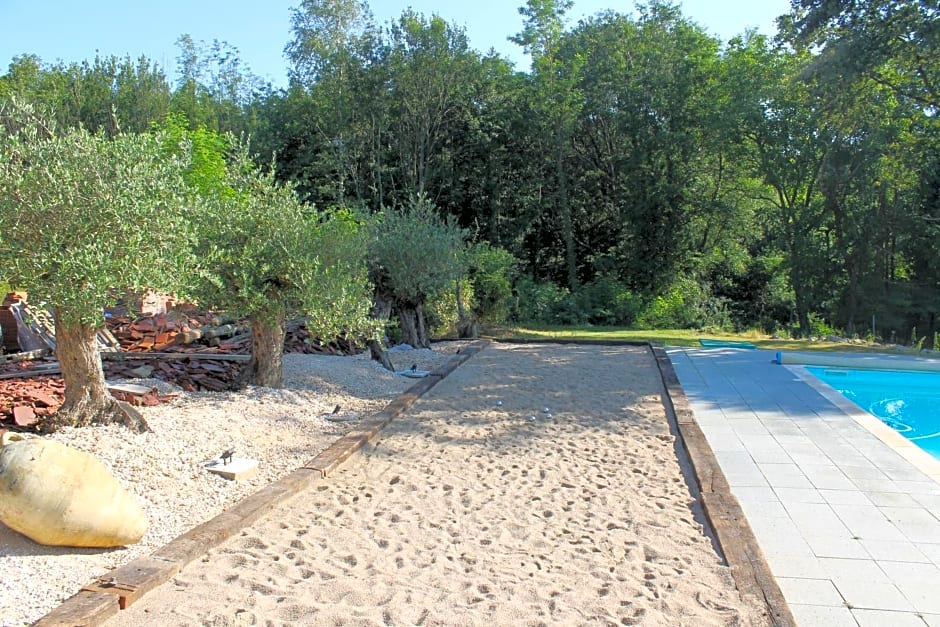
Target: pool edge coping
(916,456)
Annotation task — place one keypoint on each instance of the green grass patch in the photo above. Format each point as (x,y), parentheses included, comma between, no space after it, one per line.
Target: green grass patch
(682,337)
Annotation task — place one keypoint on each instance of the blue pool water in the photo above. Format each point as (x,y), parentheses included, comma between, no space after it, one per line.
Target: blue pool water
(908,402)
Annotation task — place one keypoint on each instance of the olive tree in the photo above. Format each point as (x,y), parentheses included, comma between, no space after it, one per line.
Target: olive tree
(267,256)
(413,253)
(82,217)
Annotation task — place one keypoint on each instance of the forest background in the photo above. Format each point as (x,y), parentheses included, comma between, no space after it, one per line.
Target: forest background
(641,173)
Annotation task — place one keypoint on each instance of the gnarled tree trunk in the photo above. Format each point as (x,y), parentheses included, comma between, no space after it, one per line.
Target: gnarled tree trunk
(266,367)
(87,399)
(414,328)
(381,310)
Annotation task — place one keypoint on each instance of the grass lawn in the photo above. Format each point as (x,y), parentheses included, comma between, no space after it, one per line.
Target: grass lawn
(683,337)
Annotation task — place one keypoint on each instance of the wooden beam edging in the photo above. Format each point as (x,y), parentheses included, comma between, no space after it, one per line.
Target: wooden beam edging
(83,608)
(750,570)
(105,597)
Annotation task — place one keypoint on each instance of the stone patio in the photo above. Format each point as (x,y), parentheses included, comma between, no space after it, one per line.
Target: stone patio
(848,521)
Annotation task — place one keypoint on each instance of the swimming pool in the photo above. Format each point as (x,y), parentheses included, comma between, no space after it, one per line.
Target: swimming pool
(908,402)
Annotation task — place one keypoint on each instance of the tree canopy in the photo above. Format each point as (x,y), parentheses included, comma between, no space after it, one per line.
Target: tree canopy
(83,215)
(641,171)
(266,255)
(83,218)
(414,254)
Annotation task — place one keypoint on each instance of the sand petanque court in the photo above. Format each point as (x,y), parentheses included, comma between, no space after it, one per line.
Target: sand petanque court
(537,484)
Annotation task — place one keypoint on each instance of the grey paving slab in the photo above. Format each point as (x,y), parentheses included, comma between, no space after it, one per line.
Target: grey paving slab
(800,495)
(850,527)
(826,476)
(784,475)
(917,524)
(883,618)
(845,497)
(873,595)
(931,551)
(835,544)
(766,509)
(816,615)
(891,499)
(889,550)
(810,591)
(798,567)
(756,494)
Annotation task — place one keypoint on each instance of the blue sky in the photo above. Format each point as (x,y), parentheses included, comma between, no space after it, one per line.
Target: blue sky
(73,31)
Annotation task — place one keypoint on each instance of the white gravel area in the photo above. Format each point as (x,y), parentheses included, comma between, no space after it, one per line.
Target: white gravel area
(165,469)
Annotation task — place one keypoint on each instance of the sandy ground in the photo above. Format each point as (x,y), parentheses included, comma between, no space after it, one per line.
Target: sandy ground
(535,485)
(165,469)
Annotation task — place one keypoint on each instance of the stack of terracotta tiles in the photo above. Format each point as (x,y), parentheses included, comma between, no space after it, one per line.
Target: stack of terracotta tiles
(23,401)
(177,332)
(191,375)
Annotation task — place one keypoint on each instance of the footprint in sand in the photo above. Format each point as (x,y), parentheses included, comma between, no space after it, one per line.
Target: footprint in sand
(254,543)
(635,619)
(237,561)
(296,613)
(262,589)
(242,617)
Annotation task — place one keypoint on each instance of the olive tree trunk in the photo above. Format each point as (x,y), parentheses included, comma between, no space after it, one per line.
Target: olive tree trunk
(87,399)
(414,329)
(381,310)
(266,367)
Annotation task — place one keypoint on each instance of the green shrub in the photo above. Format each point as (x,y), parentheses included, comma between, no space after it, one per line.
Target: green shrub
(568,311)
(491,270)
(686,305)
(818,327)
(598,302)
(609,302)
(440,311)
(537,302)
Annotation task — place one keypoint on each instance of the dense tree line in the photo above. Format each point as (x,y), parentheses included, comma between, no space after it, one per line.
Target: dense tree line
(641,172)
